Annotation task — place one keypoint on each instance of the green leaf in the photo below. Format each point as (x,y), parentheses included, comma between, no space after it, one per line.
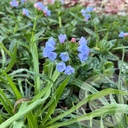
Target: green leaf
(56,96)
(6,102)
(12,86)
(2,13)
(18,124)
(23,112)
(32,120)
(40,33)
(96,21)
(13,59)
(1,39)
(89,98)
(112,108)
(89,31)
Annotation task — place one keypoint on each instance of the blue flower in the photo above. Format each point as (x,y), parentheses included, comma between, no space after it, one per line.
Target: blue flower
(23,1)
(64,56)
(51,41)
(69,70)
(87,17)
(62,38)
(82,57)
(52,56)
(89,9)
(39,6)
(83,12)
(61,67)
(83,48)
(121,34)
(43,8)
(46,11)
(25,12)
(62,1)
(14,3)
(47,49)
(82,40)
(45,52)
(50,47)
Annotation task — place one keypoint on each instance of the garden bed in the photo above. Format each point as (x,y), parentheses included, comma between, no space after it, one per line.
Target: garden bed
(63,65)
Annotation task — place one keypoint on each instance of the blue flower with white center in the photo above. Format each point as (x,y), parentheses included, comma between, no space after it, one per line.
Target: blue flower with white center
(14,3)
(61,67)
(64,56)
(25,12)
(69,70)
(62,38)
(82,40)
(83,57)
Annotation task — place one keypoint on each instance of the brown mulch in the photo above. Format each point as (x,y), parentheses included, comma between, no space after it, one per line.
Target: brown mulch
(119,7)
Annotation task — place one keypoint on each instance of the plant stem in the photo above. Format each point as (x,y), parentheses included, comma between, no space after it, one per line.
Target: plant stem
(59,17)
(15,29)
(119,79)
(118,48)
(34,52)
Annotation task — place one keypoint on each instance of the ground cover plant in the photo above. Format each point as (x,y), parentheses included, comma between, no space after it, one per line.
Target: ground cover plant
(62,67)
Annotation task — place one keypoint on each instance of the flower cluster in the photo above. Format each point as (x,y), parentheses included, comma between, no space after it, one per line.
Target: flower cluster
(83,49)
(122,34)
(43,8)
(38,5)
(69,50)
(85,13)
(14,3)
(49,48)
(67,69)
(25,12)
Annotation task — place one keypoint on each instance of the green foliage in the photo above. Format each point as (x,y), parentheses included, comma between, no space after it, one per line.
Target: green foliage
(95,96)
